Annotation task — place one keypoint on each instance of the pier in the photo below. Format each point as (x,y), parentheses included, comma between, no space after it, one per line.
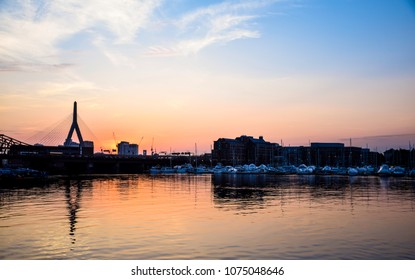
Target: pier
(102,164)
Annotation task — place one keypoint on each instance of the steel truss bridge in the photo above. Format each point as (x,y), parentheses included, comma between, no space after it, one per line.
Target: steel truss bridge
(6,142)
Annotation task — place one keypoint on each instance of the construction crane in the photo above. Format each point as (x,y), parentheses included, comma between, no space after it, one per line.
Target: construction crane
(139,143)
(115,142)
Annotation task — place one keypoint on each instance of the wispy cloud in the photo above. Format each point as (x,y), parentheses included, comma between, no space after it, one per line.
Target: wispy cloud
(214,24)
(34,34)
(377,137)
(32,67)
(68,88)
(31,31)
(116,57)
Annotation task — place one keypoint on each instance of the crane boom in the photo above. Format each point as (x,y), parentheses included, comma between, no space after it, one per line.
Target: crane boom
(115,142)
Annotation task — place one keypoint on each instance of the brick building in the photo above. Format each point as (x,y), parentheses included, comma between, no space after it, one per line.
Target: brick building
(244,150)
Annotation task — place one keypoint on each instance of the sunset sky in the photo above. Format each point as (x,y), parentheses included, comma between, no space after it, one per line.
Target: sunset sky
(183,72)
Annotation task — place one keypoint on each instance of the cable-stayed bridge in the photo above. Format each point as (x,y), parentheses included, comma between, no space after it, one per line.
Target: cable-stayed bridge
(54,150)
(55,139)
(61,132)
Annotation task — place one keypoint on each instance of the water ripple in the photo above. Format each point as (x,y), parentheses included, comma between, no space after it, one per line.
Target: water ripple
(206,217)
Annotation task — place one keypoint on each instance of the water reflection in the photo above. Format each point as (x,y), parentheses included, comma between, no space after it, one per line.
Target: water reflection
(255,190)
(210,217)
(73,195)
(238,180)
(20,191)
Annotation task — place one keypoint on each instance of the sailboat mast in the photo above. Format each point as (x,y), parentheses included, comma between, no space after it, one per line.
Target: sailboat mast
(196,153)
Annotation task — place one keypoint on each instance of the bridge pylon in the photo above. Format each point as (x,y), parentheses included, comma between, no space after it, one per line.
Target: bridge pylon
(74,127)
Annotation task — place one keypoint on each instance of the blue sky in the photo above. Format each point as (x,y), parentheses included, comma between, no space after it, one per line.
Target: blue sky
(193,71)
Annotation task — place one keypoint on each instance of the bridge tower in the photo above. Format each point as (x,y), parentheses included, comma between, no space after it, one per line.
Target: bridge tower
(74,127)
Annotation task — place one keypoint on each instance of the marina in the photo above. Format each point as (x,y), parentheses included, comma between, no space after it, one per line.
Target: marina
(302,169)
(20,174)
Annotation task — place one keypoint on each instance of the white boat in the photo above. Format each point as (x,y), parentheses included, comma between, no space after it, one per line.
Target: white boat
(302,169)
(311,169)
(352,171)
(167,170)
(200,170)
(252,168)
(231,170)
(181,169)
(362,170)
(370,170)
(398,171)
(155,170)
(384,170)
(263,168)
(326,170)
(290,169)
(276,170)
(218,169)
(305,170)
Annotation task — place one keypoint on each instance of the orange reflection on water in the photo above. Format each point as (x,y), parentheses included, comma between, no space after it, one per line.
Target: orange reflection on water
(210,217)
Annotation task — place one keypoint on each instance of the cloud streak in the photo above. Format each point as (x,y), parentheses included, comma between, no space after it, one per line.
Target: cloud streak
(215,24)
(34,34)
(377,137)
(31,31)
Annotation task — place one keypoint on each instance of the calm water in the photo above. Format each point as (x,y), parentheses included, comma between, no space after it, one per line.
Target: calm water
(210,217)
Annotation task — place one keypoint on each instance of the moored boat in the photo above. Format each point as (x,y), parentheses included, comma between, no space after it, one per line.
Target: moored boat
(352,171)
(167,170)
(155,170)
(21,174)
(398,171)
(384,170)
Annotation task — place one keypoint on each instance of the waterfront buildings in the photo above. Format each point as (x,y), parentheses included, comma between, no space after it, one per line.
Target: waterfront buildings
(400,157)
(127,149)
(337,154)
(247,149)
(331,154)
(244,150)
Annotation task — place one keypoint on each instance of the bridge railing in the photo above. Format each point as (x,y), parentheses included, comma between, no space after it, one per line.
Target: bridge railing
(6,142)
